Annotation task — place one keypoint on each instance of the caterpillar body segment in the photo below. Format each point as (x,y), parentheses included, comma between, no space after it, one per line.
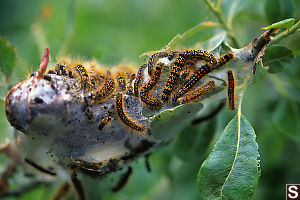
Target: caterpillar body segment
(178,65)
(123,116)
(144,93)
(230,90)
(196,94)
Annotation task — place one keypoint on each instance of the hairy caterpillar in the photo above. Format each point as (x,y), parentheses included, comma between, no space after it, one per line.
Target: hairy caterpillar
(224,59)
(123,116)
(198,93)
(193,80)
(144,93)
(83,74)
(121,81)
(179,63)
(105,91)
(138,79)
(230,90)
(153,59)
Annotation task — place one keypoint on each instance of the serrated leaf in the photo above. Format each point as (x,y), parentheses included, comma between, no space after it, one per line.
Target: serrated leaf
(286,23)
(274,55)
(286,119)
(166,124)
(7,57)
(231,170)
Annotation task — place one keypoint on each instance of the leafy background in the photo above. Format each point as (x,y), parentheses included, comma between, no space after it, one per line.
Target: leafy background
(121,30)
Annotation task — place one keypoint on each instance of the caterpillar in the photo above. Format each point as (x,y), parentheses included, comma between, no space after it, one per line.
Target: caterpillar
(83,75)
(144,93)
(105,91)
(104,122)
(193,80)
(121,81)
(179,63)
(124,118)
(230,90)
(198,93)
(224,59)
(138,79)
(173,54)
(153,59)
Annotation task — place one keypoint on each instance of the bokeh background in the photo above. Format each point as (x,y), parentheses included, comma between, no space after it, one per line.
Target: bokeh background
(120,31)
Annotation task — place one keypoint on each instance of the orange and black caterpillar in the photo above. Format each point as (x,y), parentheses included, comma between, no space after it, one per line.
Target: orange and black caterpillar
(202,71)
(123,116)
(153,59)
(144,93)
(121,81)
(193,80)
(179,63)
(230,90)
(105,91)
(198,93)
(138,79)
(83,75)
(224,59)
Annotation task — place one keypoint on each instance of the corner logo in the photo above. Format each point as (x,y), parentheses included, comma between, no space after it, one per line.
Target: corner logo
(292,191)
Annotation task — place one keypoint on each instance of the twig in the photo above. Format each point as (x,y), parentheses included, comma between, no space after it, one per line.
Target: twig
(123,180)
(210,115)
(222,20)
(41,169)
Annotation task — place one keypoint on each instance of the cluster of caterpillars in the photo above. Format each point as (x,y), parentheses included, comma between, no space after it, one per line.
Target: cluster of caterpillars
(181,85)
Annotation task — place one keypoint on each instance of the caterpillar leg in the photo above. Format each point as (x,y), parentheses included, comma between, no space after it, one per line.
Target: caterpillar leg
(144,93)
(196,94)
(178,65)
(230,90)
(123,116)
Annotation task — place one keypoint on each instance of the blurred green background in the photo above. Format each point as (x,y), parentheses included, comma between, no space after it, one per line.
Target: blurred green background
(121,30)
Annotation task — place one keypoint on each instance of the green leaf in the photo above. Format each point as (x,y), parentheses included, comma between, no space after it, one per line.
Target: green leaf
(231,170)
(168,123)
(7,57)
(274,55)
(286,119)
(286,23)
